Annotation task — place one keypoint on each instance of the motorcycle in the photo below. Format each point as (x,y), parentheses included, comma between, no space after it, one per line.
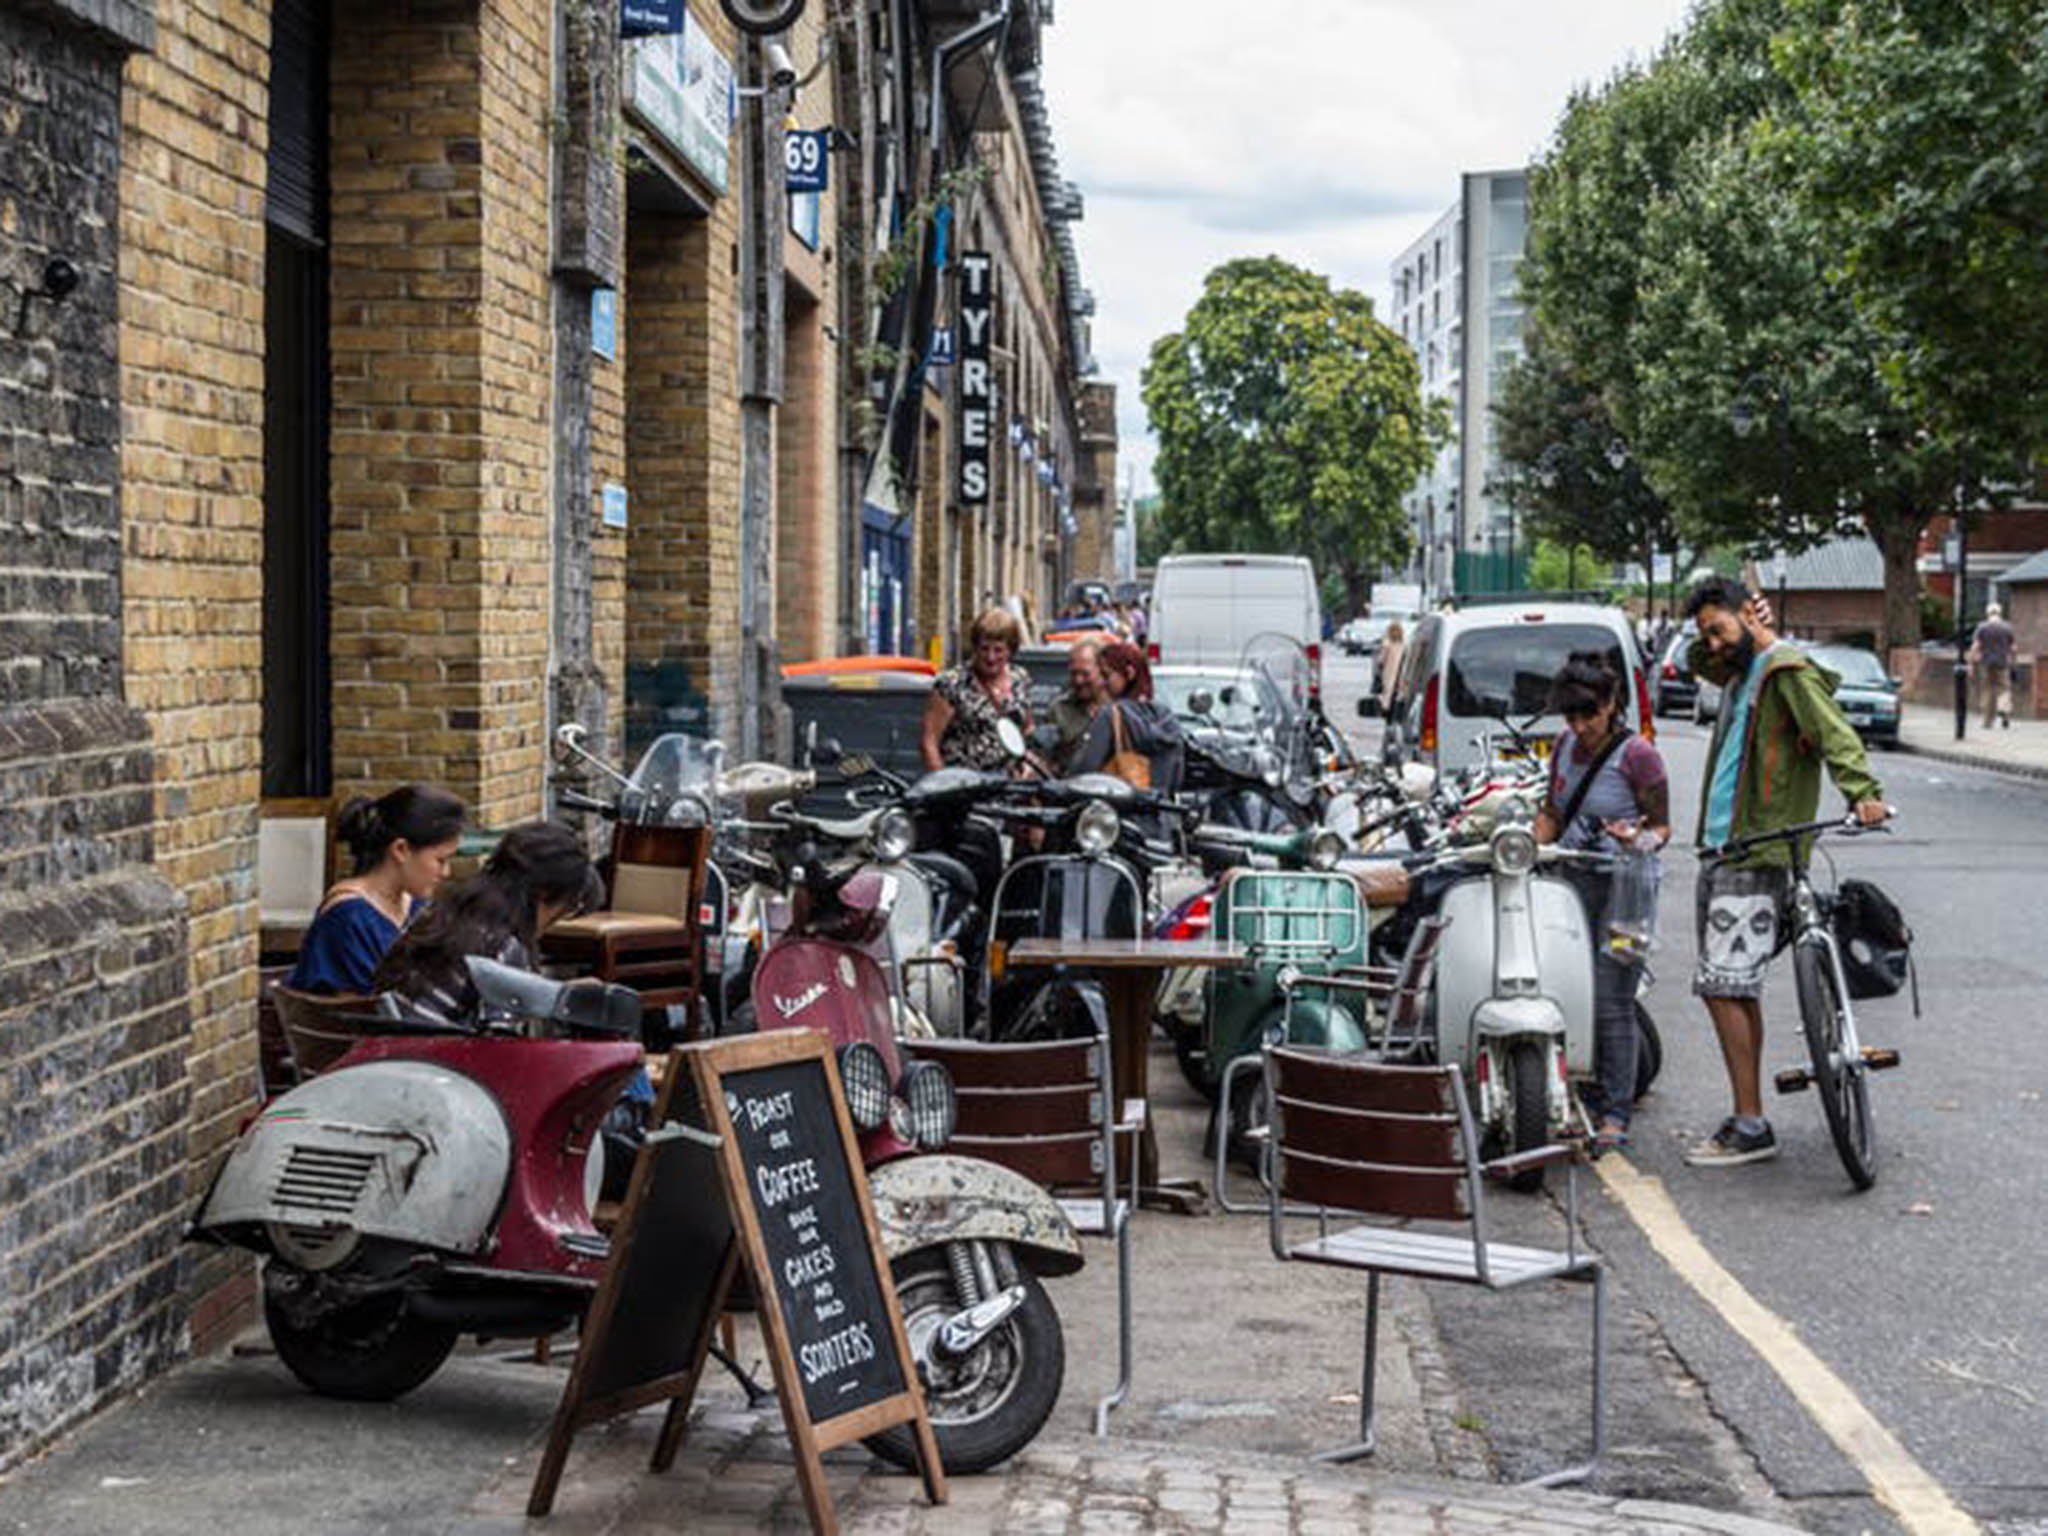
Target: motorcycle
(438,1180)
(968,1241)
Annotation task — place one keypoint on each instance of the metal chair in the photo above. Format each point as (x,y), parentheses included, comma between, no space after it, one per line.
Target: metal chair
(1403,997)
(1399,1142)
(1046,1110)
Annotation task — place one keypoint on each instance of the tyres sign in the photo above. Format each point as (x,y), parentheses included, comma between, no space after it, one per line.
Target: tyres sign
(976,330)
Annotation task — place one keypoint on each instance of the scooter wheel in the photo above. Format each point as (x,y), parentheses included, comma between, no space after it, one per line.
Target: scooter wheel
(1194,1063)
(990,1405)
(371,1352)
(1529,1099)
(1649,1050)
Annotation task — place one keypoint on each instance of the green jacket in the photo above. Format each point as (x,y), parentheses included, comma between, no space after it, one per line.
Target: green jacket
(1794,728)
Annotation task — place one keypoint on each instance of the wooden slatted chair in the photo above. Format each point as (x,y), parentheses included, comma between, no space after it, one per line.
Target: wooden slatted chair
(1047,1110)
(650,937)
(1400,999)
(1399,1142)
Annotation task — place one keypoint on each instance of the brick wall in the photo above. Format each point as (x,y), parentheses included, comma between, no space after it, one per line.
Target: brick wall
(191,346)
(94,1021)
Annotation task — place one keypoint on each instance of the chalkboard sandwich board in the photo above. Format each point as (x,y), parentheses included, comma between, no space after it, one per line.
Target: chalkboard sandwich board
(767,1180)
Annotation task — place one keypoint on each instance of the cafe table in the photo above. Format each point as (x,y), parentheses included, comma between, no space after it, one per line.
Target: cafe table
(1130,970)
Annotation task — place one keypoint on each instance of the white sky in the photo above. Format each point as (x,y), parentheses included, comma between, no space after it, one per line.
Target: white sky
(1328,132)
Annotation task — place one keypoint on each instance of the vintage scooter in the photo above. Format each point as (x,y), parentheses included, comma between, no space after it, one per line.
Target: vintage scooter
(968,1241)
(438,1180)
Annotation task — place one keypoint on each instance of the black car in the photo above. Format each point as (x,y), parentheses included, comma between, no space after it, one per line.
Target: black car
(876,709)
(1672,687)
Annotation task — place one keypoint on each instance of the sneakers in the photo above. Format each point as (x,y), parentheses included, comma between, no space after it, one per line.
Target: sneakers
(1731,1145)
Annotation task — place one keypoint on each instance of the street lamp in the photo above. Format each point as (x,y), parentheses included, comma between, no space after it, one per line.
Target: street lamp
(1959,562)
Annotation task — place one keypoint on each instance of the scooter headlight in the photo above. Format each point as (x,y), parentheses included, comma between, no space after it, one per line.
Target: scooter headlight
(865,1077)
(1325,848)
(895,836)
(1096,828)
(927,1090)
(1514,850)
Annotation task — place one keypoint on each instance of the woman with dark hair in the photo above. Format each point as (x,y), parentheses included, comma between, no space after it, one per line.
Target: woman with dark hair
(1131,720)
(1608,792)
(402,845)
(537,875)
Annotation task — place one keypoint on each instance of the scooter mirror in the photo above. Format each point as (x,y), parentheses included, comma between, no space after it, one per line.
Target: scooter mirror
(570,737)
(1201,701)
(1368,707)
(1011,737)
(826,752)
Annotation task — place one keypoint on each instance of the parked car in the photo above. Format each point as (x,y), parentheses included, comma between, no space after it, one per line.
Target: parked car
(1672,684)
(1461,666)
(1868,695)
(1364,635)
(1706,702)
(1207,608)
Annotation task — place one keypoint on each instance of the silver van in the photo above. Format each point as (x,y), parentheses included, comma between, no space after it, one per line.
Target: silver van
(1461,666)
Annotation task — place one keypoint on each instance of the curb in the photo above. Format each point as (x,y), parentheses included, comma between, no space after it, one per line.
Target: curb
(1965,759)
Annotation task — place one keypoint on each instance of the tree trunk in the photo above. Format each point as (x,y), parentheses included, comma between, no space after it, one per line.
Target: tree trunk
(1898,540)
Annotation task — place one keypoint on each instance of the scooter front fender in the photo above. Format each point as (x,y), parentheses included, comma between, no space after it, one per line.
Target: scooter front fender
(923,1201)
(1500,1017)
(1321,1023)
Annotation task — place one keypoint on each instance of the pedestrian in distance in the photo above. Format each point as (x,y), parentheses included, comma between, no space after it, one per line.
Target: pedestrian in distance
(1073,712)
(537,875)
(968,701)
(1991,651)
(1392,649)
(1608,792)
(402,844)
(1778,728)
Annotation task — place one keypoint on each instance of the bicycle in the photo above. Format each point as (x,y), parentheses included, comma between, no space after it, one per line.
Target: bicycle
(1841,1063)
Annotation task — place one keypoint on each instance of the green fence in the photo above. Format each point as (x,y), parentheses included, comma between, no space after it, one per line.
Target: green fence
(1485,570)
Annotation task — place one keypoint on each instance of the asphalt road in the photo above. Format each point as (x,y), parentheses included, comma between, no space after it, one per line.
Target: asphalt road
(1924,1295)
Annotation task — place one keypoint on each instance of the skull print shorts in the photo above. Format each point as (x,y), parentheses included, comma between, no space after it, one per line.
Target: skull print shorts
(1740,913)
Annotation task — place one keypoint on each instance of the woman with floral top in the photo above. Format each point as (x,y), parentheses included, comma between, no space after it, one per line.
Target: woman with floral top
(968,701)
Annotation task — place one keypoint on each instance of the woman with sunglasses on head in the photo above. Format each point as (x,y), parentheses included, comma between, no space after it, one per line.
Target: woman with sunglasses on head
(1608,792)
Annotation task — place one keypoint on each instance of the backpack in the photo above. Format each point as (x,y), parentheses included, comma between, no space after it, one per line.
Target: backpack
(1875,942)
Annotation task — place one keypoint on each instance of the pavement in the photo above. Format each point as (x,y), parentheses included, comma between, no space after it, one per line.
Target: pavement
(2021,747)
(231,1442)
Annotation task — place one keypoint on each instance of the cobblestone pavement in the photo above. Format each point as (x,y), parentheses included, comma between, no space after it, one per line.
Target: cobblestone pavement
(735,1475)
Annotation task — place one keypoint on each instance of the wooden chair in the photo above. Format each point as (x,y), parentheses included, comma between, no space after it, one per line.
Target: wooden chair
(1400,998)
(1399,1142)
(295,862)
(275,1070)
(650,938)
(1047,1110)
(320,1029)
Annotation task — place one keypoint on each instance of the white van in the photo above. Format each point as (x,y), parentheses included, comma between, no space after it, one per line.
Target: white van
(1205,608)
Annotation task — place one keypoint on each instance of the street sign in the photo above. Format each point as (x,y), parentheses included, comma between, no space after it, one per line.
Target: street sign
(614,506)
(942,346)
(977,312)
(650,18)
(807,158)
(604,323)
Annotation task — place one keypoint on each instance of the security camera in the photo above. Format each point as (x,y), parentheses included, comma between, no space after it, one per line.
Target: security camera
(781,67)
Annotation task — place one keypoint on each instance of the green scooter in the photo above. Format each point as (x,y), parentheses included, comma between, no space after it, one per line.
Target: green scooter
(1298,915)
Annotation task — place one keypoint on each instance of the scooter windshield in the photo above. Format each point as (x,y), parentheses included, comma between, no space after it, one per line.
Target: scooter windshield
(676,780)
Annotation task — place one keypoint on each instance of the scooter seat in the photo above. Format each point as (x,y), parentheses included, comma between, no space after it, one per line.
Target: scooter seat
(592,926)
(851,830)
(1380,884)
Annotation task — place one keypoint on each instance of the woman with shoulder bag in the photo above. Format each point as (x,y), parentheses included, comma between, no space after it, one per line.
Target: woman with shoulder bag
(1133,737)
(1608,792)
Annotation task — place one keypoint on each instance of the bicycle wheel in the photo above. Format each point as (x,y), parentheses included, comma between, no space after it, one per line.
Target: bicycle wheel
(1844,1093)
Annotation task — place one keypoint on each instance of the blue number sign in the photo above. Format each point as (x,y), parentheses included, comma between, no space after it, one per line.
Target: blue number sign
(806,155)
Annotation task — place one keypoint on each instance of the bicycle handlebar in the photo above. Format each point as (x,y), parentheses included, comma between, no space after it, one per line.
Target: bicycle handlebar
(1848,826)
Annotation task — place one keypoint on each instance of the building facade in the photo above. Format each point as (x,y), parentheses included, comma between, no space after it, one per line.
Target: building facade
(1457,302)
(381,401)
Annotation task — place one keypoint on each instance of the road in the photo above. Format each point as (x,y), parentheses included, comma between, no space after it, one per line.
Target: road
(1922,1296)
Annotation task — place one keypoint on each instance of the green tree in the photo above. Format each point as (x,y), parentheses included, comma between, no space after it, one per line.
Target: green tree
(1919,144)
(1289,420)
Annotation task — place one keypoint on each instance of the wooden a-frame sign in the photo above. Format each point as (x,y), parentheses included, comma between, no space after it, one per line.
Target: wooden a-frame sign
(765,1173)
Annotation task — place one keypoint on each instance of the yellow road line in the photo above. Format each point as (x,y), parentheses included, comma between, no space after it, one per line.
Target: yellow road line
(1900,1483)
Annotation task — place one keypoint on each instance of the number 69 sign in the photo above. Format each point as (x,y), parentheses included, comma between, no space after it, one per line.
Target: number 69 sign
(805,157)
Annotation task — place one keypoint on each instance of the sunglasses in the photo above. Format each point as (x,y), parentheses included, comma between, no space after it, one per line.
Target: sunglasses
(1582,711)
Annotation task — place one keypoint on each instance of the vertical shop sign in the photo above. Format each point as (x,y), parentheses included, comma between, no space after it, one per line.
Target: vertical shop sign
(977,311)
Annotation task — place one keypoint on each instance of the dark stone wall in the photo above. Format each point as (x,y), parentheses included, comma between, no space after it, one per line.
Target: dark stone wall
(94,1012)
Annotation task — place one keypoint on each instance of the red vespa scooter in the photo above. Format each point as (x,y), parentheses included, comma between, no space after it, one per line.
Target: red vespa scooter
(436,1181)
(967,1240)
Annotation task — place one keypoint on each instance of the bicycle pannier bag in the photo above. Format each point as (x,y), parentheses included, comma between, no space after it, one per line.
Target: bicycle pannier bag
(1876,943)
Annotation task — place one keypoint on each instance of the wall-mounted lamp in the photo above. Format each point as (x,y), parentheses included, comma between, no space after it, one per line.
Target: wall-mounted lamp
(60,281)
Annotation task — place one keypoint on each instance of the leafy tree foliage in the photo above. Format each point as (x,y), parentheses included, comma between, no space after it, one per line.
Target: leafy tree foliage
(1919,144)
(1289,421)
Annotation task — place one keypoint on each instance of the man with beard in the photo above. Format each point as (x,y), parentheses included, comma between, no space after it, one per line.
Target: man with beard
(1778,726)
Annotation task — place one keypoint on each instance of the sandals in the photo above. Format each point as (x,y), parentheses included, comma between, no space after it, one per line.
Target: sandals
(1610,1137)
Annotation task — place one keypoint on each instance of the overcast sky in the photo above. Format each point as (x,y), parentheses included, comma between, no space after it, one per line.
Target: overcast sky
(1327,132)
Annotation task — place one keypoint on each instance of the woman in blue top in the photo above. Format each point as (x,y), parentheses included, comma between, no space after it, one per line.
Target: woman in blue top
(402,844)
